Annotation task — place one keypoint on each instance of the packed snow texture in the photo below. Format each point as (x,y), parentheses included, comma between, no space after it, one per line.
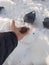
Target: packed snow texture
(33,49)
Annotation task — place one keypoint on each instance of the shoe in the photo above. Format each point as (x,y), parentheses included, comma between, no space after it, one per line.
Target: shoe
(46,22)
(30,17)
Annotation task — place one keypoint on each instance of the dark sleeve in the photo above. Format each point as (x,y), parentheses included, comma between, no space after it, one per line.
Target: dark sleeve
(8,41)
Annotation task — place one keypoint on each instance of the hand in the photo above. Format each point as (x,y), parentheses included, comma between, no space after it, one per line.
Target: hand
(17,31)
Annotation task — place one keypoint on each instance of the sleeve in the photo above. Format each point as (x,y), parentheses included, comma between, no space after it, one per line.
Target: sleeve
(8,41)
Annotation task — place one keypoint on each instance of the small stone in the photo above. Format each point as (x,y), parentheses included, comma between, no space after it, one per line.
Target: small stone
(19,61)
(33,33)
(23,30)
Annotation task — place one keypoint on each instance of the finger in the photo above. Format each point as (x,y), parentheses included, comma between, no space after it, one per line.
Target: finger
(13,22)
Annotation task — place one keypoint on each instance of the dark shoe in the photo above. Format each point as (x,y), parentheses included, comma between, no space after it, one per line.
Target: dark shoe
(30,17)
(1,8)
(46,22)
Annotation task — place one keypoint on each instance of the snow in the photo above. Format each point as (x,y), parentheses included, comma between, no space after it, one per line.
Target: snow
(33,49)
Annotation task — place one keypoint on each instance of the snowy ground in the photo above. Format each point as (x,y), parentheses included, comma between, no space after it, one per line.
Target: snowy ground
(34,48)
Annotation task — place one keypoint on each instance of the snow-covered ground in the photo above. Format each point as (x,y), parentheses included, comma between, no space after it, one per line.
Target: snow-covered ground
(33,49)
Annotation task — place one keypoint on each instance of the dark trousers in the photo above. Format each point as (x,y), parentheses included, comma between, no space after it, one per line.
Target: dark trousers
(8,41)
